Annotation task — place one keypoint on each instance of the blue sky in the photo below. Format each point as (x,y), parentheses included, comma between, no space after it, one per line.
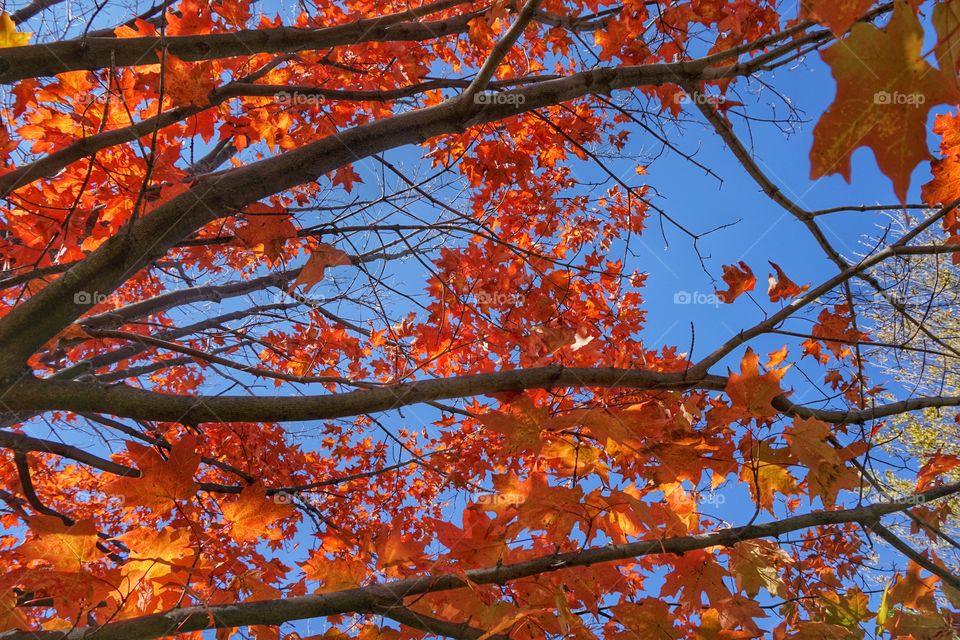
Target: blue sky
(763,231)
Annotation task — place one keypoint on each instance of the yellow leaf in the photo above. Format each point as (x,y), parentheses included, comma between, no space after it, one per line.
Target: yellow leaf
(9,36)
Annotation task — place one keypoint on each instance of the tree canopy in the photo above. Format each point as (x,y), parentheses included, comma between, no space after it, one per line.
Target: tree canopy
(333,315)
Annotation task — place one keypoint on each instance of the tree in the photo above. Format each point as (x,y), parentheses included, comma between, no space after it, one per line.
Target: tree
(927,286)
(216,332)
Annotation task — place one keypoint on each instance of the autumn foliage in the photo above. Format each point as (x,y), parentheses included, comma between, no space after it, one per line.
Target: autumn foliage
(314,325)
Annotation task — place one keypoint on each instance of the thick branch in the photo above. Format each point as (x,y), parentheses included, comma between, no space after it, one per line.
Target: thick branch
(457,630)
(22,443)
(91,54)
(369,599)
(130,402)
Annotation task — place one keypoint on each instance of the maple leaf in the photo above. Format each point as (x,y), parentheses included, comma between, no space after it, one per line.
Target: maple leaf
(946,21)
(9,36)
(834,329)
(782,287)
(322,256)
(827,474)
(885,89)
(753,391)
(756,564)
(935,465)
(808,442)
(65,547)
(480,542)
(847,610)
(696,574)
(646,618)
(252,514)
(11,614)
(739,279)
(346,177)
(766,472)
(334,575)
(154,554)
(838,15)
(187,83)
(395,550)
(266,230)
(162,482)
(522,424)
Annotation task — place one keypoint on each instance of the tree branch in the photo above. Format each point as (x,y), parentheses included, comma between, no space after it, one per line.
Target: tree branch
(368,599)
(31,61)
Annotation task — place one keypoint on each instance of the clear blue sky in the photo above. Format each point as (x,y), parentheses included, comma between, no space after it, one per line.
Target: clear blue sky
(764,231)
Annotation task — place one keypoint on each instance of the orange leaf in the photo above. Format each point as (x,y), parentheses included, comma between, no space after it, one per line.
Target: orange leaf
(935,465)
(266,230)
(393,550)
(334,575)
(11,615)
(739,279)
(187,83)
(162,481)
(838,15)
(254,512)
(752,391)
(885,89)
(323,256)
(782,287)
(346,176)
(64,547)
